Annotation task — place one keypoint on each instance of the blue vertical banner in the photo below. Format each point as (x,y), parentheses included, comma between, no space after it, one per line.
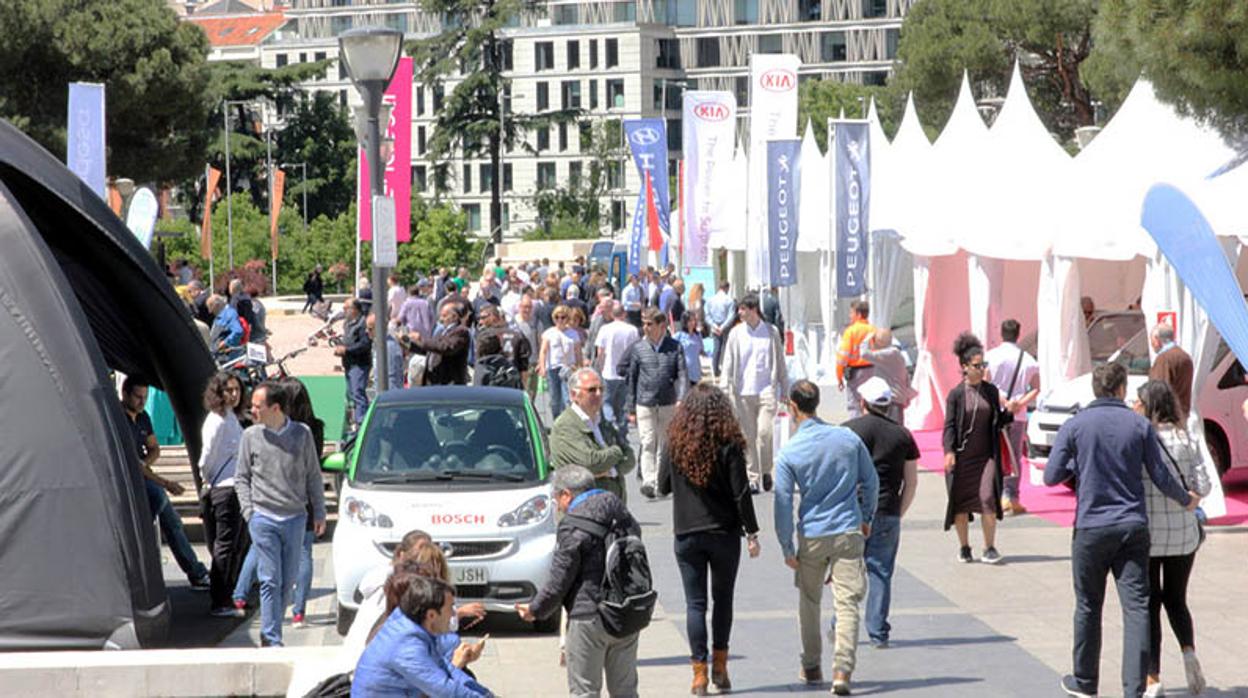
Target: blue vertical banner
(783,186)
(647,139)
(85,142)
(853,196)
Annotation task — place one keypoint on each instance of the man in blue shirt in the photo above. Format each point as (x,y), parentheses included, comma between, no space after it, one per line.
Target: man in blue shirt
(721,310)
(829,465)
(1103,449)
(227,331)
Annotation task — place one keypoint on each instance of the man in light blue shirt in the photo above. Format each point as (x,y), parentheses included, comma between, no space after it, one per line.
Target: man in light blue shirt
(839,487)
(720,311)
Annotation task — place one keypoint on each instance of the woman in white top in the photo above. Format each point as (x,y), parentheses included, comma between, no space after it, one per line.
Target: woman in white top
(559,356)
(223,520)
(1174,533)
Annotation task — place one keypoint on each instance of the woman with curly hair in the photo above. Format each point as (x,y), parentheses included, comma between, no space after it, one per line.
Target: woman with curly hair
(224,528)
(703,468)
(973,421)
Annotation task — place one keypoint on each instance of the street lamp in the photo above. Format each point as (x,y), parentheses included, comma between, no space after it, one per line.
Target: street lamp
(371,55)
(303,177)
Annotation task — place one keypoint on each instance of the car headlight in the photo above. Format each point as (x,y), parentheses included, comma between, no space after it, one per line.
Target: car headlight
(363,513)
(531,512)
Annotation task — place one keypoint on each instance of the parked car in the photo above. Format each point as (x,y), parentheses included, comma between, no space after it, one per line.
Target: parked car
(466,464)
(1122,337)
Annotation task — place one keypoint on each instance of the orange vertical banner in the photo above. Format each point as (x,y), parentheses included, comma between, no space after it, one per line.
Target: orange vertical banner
(205,229)
(275,208)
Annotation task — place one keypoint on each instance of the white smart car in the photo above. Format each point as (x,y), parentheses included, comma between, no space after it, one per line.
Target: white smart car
(467,465)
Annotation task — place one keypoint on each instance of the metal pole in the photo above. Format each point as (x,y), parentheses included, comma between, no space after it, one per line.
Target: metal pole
(268,142)
(303,166)
(376,186)
(229,194)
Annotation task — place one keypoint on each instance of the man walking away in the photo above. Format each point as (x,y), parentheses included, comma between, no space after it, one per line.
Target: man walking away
(1017,376)
(896,458)
(575,582)
(278,479)
(851,368)
(1173,366)
(890,365)
(721,310)
(613,342)
(754,378)
(655,370)
(357,357)
(828,465)
(1101,448)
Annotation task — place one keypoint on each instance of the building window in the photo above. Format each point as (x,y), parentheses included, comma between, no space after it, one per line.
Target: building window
(543,96)
(485,178)
(508,52)
(544,55)
(438,93)
(708,52)
(891,39)
(281,60)
(593,53)
(474,217)
(420,140)
(615,174)
(506,216)
(615,94)
(543,139)
(742,84)
(747,11)
(809,10)
(545,175)
(617,216)
(342,71)
(563,137)
(668,54)
(770,43)
(593,94)
(574,55)
(420,176)
(624,11)
(467,180)
(342,99)
(574,174)
(832,47)
(571,94)
(674,139)
(875,77)
(420,100)
(585,133)
(320,56)
(506,176)
(682,13)
(303,57)
(874,8)
(613,52)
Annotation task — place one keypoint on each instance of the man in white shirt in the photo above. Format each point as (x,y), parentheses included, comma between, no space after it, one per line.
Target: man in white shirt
(395,296)
(634,298)
(612,343)
(1017,376)
(754,378)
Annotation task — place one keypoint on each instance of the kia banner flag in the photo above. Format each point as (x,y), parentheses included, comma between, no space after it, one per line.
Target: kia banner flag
(398,169)
(709,123)
(647,139)
(205,228)
(773,115)
(85,136)
(783,185)
(275,208)
(852,153)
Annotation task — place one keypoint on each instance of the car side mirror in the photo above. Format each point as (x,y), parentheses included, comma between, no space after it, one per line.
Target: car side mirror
(335,462)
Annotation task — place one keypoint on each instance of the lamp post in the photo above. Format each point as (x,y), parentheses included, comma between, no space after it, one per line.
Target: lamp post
(371,55)
(303,178)
(229,198)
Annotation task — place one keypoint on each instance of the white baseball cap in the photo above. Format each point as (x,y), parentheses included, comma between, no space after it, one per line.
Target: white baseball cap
(876,392)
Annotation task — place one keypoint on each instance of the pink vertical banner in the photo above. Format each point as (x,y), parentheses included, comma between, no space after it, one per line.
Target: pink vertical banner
(398,185)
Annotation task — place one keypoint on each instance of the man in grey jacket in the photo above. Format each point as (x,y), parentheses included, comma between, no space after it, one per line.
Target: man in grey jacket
(278,481)
(654,368)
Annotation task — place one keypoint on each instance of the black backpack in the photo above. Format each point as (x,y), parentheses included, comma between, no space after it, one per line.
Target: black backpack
(628,595)
(495,370)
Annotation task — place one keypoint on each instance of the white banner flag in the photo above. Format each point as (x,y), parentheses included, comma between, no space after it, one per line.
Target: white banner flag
(773,115)
(710,121)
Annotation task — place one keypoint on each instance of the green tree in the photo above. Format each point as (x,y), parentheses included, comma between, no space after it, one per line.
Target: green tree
(1195,54)
(820,100)
(440,239)
(318,133)
(1051,39)
(152,66)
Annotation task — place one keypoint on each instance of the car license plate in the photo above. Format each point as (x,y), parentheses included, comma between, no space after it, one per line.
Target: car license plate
(469,575)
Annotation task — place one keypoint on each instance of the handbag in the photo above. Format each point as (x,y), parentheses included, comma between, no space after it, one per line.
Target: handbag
(1200,524)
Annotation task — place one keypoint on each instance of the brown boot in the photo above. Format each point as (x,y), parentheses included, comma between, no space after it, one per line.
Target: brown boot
(700,681)
(719,670)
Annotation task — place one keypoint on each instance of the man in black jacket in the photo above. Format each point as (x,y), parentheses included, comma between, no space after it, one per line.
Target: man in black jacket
(655,370)
(575,582)
(357,357)
(447,349)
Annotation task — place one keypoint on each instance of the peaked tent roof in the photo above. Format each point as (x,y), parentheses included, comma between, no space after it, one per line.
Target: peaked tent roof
(815,202)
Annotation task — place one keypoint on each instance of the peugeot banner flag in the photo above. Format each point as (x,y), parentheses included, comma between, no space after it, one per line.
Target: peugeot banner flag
(783,185)
(853,194)
(647,139)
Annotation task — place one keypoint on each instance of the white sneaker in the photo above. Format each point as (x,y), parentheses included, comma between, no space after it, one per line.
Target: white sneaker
(1195,677)
(1154,690)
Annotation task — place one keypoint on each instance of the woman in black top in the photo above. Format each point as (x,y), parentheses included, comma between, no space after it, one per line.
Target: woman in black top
(973,421)
(703,467)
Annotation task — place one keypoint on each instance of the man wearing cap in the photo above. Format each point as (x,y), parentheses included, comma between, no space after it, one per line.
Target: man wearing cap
(896,458)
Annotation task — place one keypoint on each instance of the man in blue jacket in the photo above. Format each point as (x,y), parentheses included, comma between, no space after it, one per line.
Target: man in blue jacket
(1103,449)
(829,465)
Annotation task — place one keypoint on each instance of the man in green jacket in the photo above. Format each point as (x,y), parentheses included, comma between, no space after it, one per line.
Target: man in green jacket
(582,437)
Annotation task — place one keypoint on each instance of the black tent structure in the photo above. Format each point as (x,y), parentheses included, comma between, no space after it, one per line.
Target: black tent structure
(79,560)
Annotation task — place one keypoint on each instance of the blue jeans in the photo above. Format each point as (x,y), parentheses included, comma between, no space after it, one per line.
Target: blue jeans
(357,391)
(558,393)
(1120,549)
(277,545)
(246,575)
(697,554)
(614,407)
(303,579)
(171,531)
(880,556)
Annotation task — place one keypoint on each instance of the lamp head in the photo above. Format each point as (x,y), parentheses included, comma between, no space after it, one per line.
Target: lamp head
(370,54)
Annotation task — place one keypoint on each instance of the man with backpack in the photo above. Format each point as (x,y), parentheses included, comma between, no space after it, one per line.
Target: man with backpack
(608,597)
(502,352)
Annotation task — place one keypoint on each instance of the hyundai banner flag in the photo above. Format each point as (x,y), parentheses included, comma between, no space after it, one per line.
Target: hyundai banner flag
(783,185)
(853,194)
(647,139)
(85,137)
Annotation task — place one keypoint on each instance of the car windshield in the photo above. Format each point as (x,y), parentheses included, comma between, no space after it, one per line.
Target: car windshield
(412,443)
(1112,332)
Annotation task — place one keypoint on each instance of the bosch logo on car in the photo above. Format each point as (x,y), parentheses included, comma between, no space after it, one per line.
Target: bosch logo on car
(711,111)
(461,519)
(778,80)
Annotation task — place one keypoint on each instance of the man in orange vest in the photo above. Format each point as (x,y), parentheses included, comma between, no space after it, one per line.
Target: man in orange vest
(851,368)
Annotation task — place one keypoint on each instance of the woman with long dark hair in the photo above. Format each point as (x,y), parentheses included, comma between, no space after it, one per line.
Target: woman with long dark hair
(973,421)
(224,528)
(1174,533)
(703,467)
